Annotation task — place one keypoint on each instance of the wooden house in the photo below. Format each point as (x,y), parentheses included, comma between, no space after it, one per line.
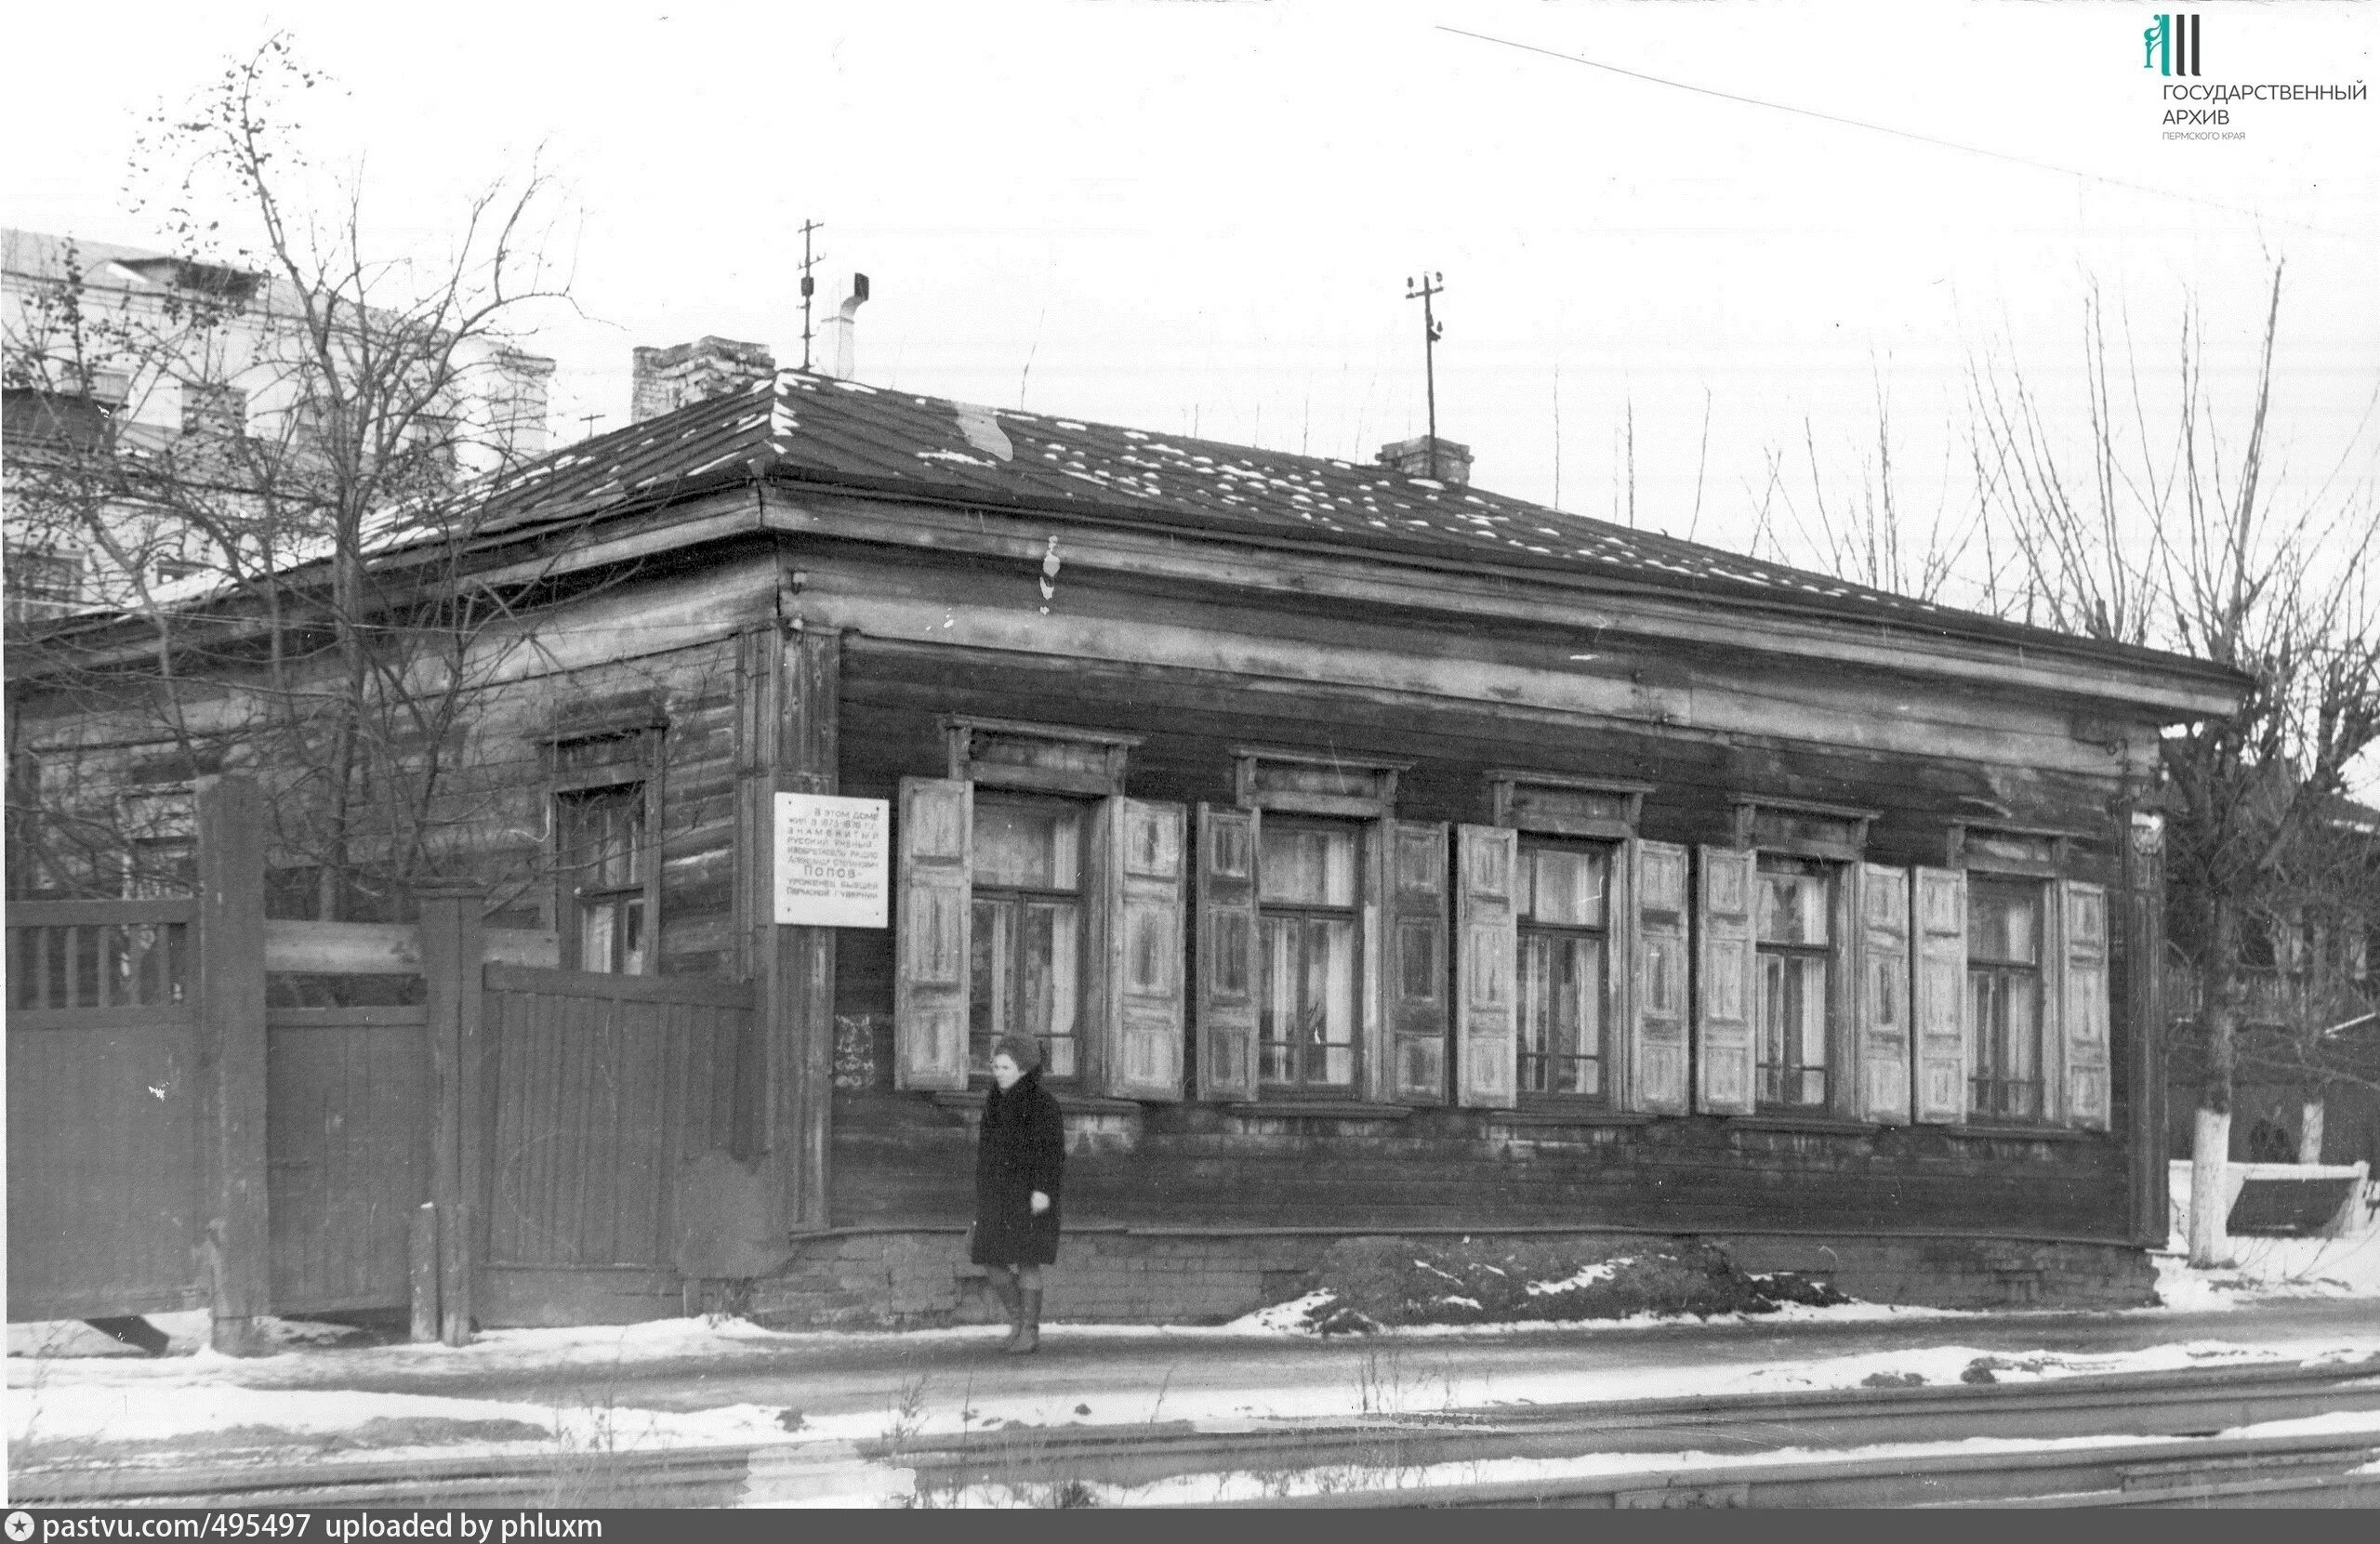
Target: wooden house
(1373,853)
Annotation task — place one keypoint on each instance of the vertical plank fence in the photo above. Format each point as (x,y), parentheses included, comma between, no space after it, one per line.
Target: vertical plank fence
(105,1215)
(603,1092)
(514,1148)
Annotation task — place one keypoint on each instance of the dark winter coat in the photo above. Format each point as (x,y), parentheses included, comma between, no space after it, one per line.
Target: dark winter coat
(1021,1148)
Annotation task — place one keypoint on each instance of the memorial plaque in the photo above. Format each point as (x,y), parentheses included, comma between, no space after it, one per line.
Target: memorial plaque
(833,861)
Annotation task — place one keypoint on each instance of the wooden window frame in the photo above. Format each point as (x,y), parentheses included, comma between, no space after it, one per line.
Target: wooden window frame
(160,825)
(1978,849)
(1133,887)
(1365,859)
(1759,824)
(1528,928)
(635,759)
(1605,810)
(1834,955)
(1087,874)
(2044,1022)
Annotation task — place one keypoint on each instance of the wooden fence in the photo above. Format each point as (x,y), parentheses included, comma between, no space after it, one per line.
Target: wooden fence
(512,1148)
(104,1205)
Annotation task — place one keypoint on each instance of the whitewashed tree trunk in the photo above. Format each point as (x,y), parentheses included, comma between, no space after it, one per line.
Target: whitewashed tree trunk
(2309,1132)
(2210,1150)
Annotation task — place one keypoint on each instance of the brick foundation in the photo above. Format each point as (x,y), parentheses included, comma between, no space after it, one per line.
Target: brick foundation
(909,1279)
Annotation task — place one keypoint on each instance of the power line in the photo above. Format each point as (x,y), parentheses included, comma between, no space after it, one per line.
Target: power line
(1885,128)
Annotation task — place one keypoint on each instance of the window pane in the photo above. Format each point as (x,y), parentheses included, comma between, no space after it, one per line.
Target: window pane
(1307,864)
(2004,922)
(1792,1018)
(1569,887)
(595,926)
(1330,947)
(1031,846)
(1561,1013)
(987,977)
(1793,908)
(1279,1009)
(1308,1014)
(1046,971)
(632,935)
(603,830)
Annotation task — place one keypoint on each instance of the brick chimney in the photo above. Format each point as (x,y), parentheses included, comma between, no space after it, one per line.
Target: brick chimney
(666,379)
(1451,465)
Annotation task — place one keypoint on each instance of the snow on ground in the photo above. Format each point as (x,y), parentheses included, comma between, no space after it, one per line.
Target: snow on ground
(106,1401)
(2267,1269)
(79,1414)
(1296,1318)
(882,1485)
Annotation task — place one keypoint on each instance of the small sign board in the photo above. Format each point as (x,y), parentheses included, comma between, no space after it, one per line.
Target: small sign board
(834,867)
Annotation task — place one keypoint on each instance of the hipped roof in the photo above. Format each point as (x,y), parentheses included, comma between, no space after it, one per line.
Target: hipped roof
(807,429)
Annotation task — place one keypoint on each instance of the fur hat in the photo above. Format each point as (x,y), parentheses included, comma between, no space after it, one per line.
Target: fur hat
(1023,1049)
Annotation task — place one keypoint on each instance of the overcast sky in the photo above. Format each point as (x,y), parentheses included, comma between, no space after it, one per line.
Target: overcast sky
(1203,214)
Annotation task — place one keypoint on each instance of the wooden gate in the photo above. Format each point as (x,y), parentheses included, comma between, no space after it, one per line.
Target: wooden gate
(348,1100)
(513,1149)
(604,1092)
(105,1213)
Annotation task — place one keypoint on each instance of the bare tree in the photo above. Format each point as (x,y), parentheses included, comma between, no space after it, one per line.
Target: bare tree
(2179,534)
(341,417)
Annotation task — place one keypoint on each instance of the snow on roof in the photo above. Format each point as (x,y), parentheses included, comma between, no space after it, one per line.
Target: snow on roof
(816,431)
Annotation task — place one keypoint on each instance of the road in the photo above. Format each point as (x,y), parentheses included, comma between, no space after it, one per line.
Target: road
(836,1375)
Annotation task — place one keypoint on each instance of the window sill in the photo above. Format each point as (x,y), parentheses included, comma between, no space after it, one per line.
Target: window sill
(2026,1133)
(1826,1124)
(1319,1109)
(1554,1115)
(1069,1102)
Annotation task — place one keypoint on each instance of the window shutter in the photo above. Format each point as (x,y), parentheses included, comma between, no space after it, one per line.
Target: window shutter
(1883,1001)
(1656,1025)
(1416,979)
(1723,1027)
(1228,978)
(1939,999)
(2083,1006)
(930,979)
(1143,884)
(1486,960)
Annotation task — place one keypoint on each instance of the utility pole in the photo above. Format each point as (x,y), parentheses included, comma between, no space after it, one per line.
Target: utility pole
(1429,286)
(809,285)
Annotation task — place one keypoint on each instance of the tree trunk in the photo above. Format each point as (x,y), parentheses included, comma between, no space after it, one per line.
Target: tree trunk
(2219,991)
(2210,1192)
(2309,1131)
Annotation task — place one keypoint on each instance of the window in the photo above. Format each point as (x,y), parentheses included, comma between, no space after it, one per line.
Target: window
(43,584)
(1036,897)
(1309,949)
(1026,946)
(601,831)
(161,843)
(170,571)
(1795,946)
(2004,999)
(1564,900)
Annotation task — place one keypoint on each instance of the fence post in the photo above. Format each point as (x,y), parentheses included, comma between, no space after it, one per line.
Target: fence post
(451,974)
(2145,1024)
(238,1234)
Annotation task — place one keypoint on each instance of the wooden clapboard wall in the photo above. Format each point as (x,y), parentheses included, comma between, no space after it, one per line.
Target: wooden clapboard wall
(903,1159)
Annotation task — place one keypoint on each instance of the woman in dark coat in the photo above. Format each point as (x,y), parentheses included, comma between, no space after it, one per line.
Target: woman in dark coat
(1020,1157)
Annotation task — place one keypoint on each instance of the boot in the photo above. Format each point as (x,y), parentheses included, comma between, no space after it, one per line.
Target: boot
(1028,1325)
(1004,1288)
